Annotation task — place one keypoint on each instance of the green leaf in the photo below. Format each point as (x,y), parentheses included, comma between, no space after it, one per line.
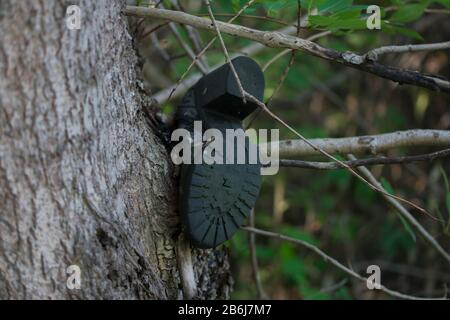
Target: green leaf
(447,189)
(447,201)
(334,5)
(292,267)
(407,226)
(236,4)
(444,176)
(409,12)
(363,194)
(265,254)
(348,18)
(299,235)
(334,24)
(395,29)
(387,186)
(343,294)
(445,3)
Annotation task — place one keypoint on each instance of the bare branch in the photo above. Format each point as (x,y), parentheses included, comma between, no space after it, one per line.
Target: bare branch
(279,40)
(163,53)
(197,57)
(438,11)
(375,53)
(291,60)
(177,89)
(146,33)
(184,84)
(278,56)
(224,49)
(286,69)
(364,162)
(405,213)
(254,259)
(187,48)
(333,261)
(330,156)
(248,16)
(366,144)
(284,52)
(193,35)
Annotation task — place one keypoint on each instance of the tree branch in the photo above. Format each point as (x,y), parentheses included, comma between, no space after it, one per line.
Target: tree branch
(375,53)
(254,259)
(193,34)
(286,51)
(364,162)
(224,49)
(330,156)
(185,84)
(187,48)
(405,213)
(279,40)
(366,144)
(210,43)
(333,261)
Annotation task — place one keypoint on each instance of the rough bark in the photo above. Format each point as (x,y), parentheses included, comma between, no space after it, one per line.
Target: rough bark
(83,178)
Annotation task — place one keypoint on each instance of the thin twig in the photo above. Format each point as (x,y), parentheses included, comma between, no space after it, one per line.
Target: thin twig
(282,78)
(173,28)
(225,51)
(201,53)
(187,48)
(254,259)
(328,155)
(291,60)
(155,43)
(364,162)
(146,33)
(278,40)
(183,84)
(268,19)
(248,16)
(374,54)
(334,262)
(193,35)
(286,70)
(285,52)
(439,11)
(405,213)
(334,287)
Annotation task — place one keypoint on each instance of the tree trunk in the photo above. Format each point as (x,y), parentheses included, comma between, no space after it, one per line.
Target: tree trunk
(83,178)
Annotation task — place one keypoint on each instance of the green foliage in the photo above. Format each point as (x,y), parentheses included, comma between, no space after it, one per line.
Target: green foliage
(387,186)
(409,12)
(445,3)
(394,241)
(447,190)
(299,234)
(446,226)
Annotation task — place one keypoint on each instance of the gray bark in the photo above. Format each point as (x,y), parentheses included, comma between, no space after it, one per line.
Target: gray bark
(83,179)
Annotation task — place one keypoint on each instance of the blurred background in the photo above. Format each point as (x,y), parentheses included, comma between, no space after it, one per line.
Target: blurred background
(330,208)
